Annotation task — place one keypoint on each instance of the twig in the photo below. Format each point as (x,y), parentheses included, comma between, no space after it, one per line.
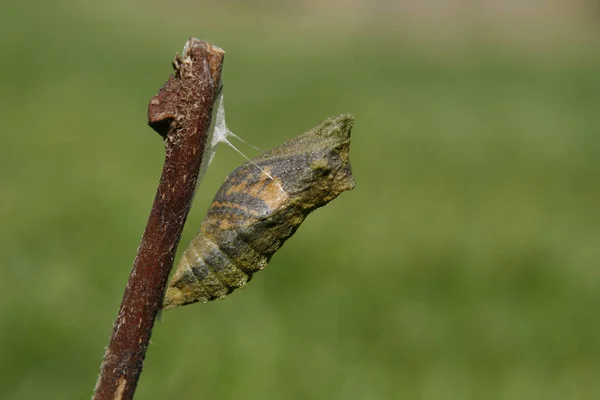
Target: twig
(181,112)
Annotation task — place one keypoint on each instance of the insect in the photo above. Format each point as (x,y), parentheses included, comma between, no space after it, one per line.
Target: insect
(259,206)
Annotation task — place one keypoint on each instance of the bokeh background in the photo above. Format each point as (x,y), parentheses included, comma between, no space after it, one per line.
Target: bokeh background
(465,264)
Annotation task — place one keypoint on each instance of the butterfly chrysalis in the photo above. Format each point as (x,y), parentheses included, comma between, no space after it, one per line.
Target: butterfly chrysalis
(258,207)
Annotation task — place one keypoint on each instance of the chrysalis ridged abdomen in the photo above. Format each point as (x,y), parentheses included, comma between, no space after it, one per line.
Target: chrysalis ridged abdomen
(258,207)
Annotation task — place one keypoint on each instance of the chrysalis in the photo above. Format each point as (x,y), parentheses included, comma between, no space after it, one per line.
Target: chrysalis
(258,207)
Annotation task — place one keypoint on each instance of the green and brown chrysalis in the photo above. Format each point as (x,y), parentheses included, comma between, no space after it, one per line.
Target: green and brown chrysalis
(258,207)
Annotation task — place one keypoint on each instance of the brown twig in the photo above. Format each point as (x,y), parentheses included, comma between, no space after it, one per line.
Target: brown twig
(181,112)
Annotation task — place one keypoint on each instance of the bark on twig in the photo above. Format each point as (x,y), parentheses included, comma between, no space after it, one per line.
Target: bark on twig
(181,112)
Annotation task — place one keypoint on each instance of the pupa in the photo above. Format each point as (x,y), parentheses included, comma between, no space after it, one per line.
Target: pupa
(260,205)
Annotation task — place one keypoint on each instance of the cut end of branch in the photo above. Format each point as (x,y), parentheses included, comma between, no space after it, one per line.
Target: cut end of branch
(199,64)
(193,43)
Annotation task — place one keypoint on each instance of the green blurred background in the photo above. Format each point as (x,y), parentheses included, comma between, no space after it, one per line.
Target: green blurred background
(463,266)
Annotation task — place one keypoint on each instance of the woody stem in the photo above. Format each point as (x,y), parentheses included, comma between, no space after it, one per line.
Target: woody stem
(181,112)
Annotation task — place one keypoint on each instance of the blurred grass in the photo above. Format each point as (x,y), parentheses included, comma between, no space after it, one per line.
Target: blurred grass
(463,265)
